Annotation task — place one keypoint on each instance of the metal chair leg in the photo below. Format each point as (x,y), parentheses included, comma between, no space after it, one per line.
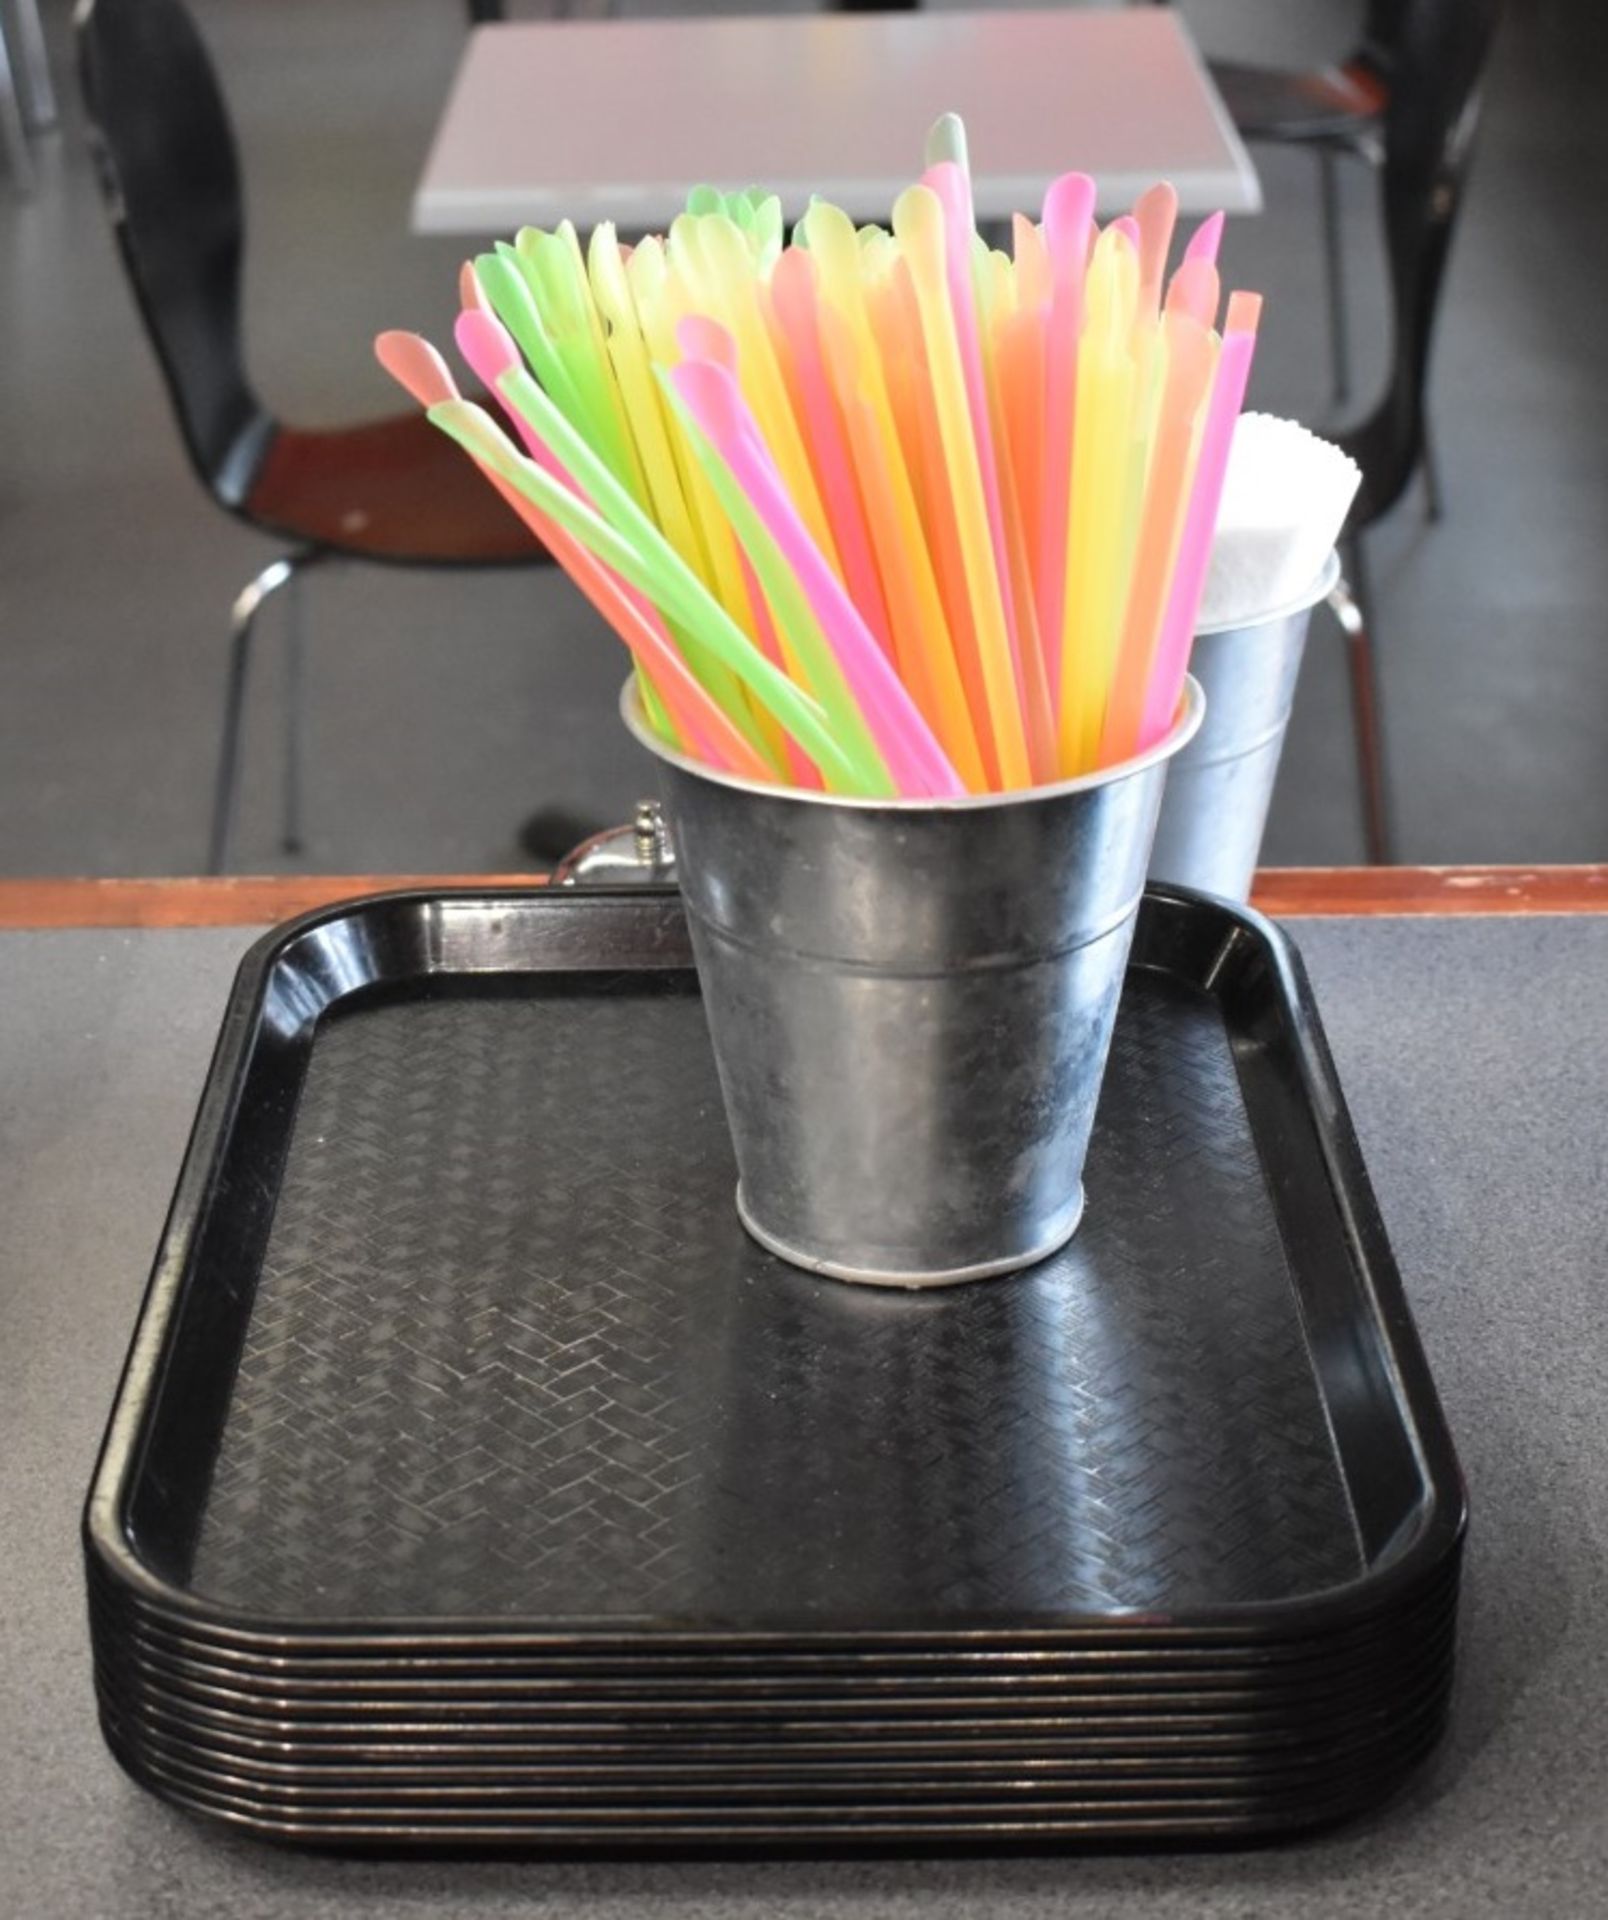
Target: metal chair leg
(1434,499)
(242,625)
(13,133)
(1334,265)
(38,96)
(295,745)
(1352,604)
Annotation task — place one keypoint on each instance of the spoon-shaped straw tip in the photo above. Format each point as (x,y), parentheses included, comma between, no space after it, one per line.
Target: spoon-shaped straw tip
(415,365)
(701,338)
(1206,239)
(946,140)
(1069,201)
(471,294)
(714,398)
(918,224)
(486,344)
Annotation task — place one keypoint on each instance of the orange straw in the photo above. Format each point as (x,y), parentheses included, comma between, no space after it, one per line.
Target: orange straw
(1156,212)
(1038,714)
(1019,354)
(903,356)
(920,631)
(1191,359)
(1195,291)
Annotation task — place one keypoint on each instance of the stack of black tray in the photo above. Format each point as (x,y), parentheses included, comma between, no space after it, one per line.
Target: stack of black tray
(475,1481)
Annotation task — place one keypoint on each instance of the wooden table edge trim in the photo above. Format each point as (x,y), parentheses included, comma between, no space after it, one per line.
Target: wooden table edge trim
(1285,892)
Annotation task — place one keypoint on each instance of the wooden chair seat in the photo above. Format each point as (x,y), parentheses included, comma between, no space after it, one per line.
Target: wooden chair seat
(391,490)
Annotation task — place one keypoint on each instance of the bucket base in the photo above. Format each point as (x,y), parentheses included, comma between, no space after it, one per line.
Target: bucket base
(1066,1225)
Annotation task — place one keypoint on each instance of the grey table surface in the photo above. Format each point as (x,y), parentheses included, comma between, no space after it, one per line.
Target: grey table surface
(1473,1055)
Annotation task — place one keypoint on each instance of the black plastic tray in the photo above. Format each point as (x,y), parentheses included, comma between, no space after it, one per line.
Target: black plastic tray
(475,1479)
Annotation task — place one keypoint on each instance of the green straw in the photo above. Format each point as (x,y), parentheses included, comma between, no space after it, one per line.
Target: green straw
(528,285)
(502,276)
(788,600)
(645,560)
(615,505)
(556,275)
(755,211)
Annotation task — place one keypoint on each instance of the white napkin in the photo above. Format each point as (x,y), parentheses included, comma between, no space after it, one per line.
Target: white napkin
(1285,500)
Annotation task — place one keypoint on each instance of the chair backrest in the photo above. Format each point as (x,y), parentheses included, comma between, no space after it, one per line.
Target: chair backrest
(1383,23)
(170,175)
(1437,61)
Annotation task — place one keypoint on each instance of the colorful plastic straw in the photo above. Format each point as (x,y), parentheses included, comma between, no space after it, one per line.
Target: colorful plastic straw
(698,722)
(1189,575)
(659,575)
(1068,232)
(879,510)
(918,222)
(913,756)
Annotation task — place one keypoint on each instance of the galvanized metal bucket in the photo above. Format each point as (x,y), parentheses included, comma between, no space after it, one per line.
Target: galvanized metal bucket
(1219,788)
(911,1004)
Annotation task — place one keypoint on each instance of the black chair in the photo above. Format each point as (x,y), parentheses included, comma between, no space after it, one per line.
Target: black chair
(392,490)
(1438,59)
(1340,111)
(1335,112)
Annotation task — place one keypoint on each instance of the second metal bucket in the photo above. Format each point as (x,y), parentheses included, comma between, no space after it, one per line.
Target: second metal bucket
(1219,788)
(911,1003)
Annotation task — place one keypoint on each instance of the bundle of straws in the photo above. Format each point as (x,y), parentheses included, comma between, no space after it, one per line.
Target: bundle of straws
(887,513)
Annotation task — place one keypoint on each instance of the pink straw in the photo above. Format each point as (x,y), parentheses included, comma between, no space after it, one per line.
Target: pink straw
(703,724)
(1205,240)
(914,758)
(1200,523)
(489,349)
(793,300)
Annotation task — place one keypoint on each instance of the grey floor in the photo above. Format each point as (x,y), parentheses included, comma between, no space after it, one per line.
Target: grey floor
(446,709)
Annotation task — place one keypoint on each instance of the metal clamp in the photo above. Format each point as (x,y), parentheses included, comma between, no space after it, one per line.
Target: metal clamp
(634,856)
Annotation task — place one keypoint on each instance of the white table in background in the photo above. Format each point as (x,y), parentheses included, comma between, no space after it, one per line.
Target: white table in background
(616,119)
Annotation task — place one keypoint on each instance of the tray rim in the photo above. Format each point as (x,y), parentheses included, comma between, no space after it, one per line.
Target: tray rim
(111,1554)
(969,1670)
(1137,1821)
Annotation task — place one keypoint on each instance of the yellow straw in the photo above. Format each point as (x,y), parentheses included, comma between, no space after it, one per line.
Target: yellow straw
(716,259)
(897,320)
(1191,362)
(639,391)
(918,221)
(660,302)
(703,542)
(1099,503)
(1035,278)
(657,315)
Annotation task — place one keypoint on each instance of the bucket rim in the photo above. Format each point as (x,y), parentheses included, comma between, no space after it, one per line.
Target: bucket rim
(1328,579)
(1192,711)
